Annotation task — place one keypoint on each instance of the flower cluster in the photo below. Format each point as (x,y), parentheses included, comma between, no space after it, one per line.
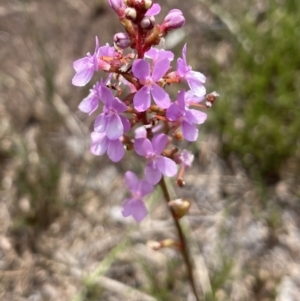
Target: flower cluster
(137,114)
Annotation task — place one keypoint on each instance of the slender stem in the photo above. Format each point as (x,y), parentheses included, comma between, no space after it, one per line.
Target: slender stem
(183,242)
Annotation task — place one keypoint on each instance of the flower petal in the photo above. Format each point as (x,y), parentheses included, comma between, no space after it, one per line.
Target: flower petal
(142,99)
(106,96)
(99,143)
(180,99)
(143,147)
(89,104)
(114,127)
(81,64)
(127,207)
(173,112)
(196,76)
(197,87)
(181,67)
(126,123)
(190,131)
(118,105)
(159,143)
(184,54)
(136,208)
(141,69)
(160,69)
(195,116)
(144,188)
(115,150)
(82,77)
(154,10)
(166,166)
(131,180)
(152,175)
(140,132)
(160,96)
(190,97)
(100,123)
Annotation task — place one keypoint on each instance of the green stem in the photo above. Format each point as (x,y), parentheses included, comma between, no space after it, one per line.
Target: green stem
(182,239)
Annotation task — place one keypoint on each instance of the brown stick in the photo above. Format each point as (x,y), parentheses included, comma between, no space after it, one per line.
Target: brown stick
(182,239)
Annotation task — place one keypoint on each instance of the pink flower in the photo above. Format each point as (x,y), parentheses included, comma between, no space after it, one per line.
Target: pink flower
(180,113)
(142,98)
(102,144)
(110,121)
(86,67)
(157,165)
(193,78)
(134,205)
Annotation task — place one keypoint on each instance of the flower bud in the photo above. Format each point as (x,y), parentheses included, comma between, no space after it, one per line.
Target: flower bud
(174,19)
(180,207)
(166,243)
(210,98)
(178,136)
(154,245)
(148,22)
(122,40)
(118,6)
(130,13)
(148,3)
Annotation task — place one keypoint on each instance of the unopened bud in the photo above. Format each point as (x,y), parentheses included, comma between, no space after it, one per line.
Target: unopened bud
(148,3)
(166,243)
(148,22)
(154,245)
(210,98)
(180,182)
(174,19)
(118,6)
(130,13)
(122,40)
(180,207)
(178,136)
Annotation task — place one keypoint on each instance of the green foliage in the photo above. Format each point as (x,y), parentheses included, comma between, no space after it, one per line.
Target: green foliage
(258,115)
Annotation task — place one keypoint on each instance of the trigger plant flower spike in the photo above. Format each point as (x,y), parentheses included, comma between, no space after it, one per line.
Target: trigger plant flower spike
(134,112)
(135,116)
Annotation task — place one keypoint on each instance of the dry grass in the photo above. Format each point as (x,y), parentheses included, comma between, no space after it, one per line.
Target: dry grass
(61,233)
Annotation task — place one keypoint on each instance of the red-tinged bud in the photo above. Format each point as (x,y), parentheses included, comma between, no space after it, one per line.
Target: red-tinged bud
(173,20)
(148,22)
(122,40)
(130,13)
(180,182)
(118,6)
(180,207)
(210,98)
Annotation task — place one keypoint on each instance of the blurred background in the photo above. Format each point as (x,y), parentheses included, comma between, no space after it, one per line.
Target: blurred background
(62,236)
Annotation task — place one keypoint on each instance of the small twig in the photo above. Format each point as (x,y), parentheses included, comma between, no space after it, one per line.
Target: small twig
(183,242)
